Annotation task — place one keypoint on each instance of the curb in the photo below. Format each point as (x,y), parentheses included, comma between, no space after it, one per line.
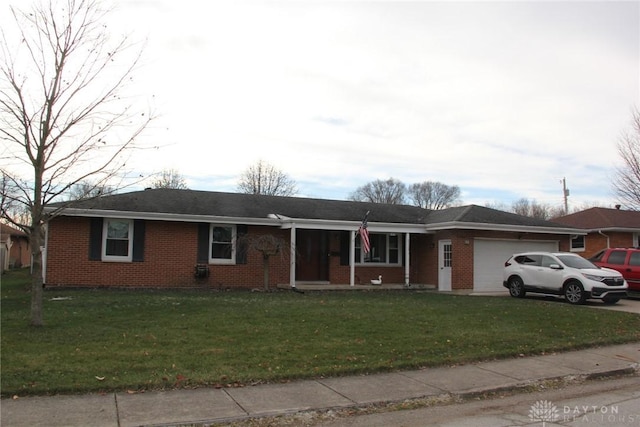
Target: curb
(422,401)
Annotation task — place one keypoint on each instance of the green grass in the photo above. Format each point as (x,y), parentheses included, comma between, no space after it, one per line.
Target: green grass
(103,340)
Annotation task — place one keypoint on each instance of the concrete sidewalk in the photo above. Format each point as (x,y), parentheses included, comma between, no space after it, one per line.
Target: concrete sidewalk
(179,407)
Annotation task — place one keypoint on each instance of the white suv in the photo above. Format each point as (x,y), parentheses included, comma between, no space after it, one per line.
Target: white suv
(562,274)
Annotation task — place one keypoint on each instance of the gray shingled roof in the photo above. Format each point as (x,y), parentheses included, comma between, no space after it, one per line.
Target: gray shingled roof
(482,215)
(238,205)
(207,203)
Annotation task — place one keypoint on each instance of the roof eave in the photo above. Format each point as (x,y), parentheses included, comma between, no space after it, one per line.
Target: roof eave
(452,225)
(271,220)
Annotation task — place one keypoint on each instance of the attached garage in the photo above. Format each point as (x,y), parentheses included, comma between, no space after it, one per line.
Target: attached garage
(489,257)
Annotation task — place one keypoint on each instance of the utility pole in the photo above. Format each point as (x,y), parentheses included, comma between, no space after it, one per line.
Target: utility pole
(565,192)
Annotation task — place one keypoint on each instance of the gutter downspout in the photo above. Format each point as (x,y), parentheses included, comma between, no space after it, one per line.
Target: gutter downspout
(608,243)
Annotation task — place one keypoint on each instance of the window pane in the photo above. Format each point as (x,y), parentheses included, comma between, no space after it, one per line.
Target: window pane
(117,241)
(617,257)
(221,250)
(635,258)
(447,254)
(116,247)
(118,230)
(222,234)
(577,242)
(221,243)
(378,248)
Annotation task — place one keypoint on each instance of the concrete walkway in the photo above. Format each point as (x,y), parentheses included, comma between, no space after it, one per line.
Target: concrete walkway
(179,407)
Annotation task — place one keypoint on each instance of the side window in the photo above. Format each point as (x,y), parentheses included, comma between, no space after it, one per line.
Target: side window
(547,261)
(597,257)
(117,242)
(534,260)
(634,259)
(577,243)
(617,257)
(222,243)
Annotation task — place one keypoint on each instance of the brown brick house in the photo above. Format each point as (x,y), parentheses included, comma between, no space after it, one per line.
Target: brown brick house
(15,251)
(157,238)
(604,228)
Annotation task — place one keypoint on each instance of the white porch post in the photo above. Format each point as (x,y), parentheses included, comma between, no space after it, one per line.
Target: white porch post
(292,257)
(407,239)
(352,261)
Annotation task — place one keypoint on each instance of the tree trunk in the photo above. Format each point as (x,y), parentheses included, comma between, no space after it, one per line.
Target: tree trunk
(265,271)
(37,279)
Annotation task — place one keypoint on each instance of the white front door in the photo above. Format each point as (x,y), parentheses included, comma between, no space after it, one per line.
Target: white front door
(444,265)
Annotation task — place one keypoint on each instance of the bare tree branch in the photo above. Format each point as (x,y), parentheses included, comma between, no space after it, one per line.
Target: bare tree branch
(391,191)
(263,178)
(434,195)
(627,180)
(63,113)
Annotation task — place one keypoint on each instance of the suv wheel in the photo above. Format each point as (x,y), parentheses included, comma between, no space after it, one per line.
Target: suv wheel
(516,287)
(574,293)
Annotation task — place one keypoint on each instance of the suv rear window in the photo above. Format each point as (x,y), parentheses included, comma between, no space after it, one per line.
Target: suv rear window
(529,259)
(617,257)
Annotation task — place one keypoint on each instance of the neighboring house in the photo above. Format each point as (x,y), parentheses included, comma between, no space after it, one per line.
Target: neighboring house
(157,238)
(604,227)
(15,251)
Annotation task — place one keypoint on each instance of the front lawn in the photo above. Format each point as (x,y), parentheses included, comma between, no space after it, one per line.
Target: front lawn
(105,340)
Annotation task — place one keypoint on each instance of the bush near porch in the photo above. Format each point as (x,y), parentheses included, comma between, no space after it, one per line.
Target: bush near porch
(107,340)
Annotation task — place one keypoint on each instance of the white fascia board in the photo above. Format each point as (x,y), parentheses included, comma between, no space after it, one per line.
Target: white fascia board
(457,225)
(272,220)
(614,229)
(156,216)
(373,227)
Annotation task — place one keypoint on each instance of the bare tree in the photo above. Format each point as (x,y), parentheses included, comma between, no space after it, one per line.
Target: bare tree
(626,183)
(88,190)
(533,209)
(170,178)
(268,245)
(390,191)
(263,178)
(63,117)
(434,195)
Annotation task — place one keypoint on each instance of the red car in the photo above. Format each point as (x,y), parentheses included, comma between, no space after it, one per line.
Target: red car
(624,260)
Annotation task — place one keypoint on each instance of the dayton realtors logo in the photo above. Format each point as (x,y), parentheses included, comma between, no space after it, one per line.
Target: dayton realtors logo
(545,411)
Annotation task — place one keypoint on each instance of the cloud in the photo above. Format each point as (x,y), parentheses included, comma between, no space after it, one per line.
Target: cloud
(502,96)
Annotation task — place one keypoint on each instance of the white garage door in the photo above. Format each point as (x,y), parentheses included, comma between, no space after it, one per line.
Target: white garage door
(489,257)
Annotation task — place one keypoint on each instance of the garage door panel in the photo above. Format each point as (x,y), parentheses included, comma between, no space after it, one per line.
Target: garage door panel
(489,257)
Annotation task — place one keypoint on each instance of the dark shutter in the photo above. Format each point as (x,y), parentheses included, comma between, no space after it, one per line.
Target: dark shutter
(203,243)
(241,245)
(95,239)
(138,240)
(345,243)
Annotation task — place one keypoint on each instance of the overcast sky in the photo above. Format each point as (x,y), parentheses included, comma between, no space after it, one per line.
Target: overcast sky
(503,99)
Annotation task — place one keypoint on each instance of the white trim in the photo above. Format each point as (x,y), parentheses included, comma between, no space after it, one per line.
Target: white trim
(292,257)
(234,235)
(105,236)
(407,240)
(458,225)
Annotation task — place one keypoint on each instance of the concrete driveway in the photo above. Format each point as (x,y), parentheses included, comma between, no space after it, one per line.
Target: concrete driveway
(631,305)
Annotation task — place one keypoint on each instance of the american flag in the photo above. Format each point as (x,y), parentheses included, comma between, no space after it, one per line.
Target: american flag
(364,235)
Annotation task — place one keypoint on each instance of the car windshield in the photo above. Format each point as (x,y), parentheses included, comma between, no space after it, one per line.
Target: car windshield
(576,262)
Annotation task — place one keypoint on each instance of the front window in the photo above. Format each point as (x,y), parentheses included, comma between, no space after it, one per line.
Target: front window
(222,240)
(577,243)
(117,244)
(385,249)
